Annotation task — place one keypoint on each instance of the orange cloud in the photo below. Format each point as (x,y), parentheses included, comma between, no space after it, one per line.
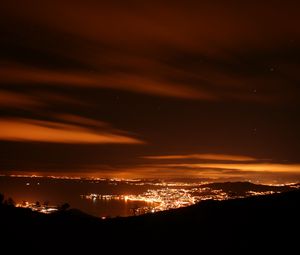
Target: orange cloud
(257,167)
(217,157)
(27,130)
(16,100)
(197,22)
(76,119)
(198,50)
(128,82)
(210,171)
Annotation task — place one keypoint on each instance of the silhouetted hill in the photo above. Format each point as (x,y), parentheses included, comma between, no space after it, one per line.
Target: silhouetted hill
(241,188)
(268,222)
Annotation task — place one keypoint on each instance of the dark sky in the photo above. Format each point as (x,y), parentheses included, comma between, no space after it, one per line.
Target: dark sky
(150,88)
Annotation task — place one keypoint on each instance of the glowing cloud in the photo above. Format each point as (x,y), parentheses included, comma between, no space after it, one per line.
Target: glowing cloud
(120,81)
(10,99)
(257,167)
(216,157)
(55,132)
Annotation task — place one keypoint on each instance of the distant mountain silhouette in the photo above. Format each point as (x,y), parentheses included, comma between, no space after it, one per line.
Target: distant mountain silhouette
(254,223)
(241,188)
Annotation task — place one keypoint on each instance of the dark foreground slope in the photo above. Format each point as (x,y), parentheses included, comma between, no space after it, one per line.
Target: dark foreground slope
(268,222)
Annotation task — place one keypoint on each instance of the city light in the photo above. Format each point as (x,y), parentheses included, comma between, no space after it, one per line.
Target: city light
(171,198)
(42,208)
(155,195)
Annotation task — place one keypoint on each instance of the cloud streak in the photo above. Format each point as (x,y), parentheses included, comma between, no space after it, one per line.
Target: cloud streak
(214,157)
(256,167)
(121,81)
(264,171)
(26,130)
(10,99)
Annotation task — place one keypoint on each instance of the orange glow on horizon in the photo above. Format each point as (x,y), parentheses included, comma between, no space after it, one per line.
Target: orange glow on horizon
(257,167)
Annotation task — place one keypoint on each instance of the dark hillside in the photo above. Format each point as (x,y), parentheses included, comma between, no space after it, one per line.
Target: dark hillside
(263,221)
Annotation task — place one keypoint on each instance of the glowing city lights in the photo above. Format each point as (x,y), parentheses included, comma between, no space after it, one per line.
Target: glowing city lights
(42,208)
(170,198)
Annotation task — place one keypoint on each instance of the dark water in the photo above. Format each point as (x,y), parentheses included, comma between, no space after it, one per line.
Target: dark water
(59,191)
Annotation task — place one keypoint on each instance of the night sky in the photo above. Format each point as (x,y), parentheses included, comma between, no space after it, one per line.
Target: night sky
(206,89)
